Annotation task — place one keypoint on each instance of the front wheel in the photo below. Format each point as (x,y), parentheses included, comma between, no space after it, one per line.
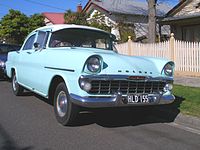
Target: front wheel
(17,89)
(65,110)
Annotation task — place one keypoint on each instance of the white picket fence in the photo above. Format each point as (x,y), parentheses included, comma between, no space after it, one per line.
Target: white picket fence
(186,55)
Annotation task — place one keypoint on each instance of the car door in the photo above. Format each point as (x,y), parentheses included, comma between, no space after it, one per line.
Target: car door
(31,57)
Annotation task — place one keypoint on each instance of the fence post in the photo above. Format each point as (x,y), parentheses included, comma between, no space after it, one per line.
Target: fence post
(129,46)
(172,46)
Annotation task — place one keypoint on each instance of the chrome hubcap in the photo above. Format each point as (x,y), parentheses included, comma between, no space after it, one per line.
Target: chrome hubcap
(61,104)
(14,83)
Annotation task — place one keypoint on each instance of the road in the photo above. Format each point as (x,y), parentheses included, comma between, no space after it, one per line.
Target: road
(27,123)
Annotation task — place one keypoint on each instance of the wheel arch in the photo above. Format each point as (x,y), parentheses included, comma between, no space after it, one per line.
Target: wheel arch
(12,71)
(53,84)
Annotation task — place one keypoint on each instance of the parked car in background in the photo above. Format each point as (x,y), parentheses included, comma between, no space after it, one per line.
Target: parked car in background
(77,66)
(4,49)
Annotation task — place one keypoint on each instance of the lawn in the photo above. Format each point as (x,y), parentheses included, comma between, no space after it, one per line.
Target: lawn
(188,99)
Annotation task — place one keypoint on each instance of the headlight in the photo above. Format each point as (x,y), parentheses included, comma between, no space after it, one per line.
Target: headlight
(168,87)
(85,84)
(169,69)
(93,64)
(2,64)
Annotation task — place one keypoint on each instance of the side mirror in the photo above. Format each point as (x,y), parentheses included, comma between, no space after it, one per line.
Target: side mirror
(36,45)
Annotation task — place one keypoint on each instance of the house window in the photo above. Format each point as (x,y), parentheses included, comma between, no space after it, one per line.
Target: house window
(191,33)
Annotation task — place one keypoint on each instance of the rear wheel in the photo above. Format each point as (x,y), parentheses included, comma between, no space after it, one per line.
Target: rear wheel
(65,110)
(17,89)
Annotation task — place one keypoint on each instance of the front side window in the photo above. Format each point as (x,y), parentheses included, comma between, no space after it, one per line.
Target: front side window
(81,38)
(29,42)
(42,38)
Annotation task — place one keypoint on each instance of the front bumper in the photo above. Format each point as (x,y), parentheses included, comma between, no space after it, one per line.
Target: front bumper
(103,92)
(118,100)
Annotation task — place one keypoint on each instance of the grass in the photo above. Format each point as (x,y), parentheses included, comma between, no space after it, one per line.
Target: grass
(189,98)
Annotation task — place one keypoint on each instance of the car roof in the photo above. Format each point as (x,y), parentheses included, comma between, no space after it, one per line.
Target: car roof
(57,27)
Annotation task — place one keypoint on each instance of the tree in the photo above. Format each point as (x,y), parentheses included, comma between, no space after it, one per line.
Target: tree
(81,18)
(14,27)
(125,30)
(98,20)
(35,21)
(152,21)
(78,18)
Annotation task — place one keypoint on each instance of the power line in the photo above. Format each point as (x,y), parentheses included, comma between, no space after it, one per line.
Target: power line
(42,4)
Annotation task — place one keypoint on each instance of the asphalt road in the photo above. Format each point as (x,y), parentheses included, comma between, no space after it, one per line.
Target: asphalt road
(28,123)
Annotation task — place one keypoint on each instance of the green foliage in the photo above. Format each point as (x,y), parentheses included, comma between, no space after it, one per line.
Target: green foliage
(126,30)
(75,18)
(35,21)
(15,26)
(81,19)
(98,21)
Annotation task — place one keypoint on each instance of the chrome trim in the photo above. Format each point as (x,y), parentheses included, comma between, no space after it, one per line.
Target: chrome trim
(70,70)
(116,100)
(123,77)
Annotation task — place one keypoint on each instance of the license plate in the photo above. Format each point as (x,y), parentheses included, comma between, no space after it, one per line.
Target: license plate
(142,98)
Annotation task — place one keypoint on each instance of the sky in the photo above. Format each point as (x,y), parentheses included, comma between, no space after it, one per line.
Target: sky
(30,7)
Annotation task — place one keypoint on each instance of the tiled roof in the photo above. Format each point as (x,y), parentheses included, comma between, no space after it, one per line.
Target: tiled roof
(55,18)
(128,6)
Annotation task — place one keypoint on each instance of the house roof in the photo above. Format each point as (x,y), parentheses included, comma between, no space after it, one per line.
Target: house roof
(190,19)
(177,7)
(134,7)
(187,16)
(55,18)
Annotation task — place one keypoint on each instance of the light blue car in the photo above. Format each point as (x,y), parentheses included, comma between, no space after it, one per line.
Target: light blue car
(77,66)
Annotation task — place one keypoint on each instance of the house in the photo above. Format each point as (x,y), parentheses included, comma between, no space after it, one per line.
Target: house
(184,20)
(53,18)
(131,12)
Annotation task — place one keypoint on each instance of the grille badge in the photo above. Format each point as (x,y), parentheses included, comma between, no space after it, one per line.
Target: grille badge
(137,78)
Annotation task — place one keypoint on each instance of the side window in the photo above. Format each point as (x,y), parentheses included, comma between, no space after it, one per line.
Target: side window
(42,38)
(29,43)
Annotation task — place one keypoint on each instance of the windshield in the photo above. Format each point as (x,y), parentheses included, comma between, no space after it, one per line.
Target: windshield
(5,48)
(81,38)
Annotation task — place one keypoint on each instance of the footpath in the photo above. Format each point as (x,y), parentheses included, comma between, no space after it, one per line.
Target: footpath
(188,121)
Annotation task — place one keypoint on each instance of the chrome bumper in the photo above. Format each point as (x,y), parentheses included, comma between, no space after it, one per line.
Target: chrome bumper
(118,100)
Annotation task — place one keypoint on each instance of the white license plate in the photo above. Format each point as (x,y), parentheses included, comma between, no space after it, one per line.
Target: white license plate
(138,98)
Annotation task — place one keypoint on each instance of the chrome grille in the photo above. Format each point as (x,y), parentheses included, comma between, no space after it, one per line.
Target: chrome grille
(125,86)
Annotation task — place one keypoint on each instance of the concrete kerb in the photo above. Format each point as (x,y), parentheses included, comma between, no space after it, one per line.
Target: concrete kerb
(189,121)
(187,81)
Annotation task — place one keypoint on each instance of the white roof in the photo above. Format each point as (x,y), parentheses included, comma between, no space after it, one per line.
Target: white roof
(57,27)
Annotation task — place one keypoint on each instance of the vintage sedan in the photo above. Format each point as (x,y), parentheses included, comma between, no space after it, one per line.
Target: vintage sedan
(4,49)
(77,66)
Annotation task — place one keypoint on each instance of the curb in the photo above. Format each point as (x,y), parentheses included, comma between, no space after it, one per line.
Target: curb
(189,121)
(179,118)
(187,81)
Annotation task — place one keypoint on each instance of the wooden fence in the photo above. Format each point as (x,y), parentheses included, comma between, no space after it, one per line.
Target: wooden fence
(186,55)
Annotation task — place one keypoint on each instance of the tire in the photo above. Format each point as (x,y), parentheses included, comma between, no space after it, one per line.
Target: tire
(17,89)
(65,111)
